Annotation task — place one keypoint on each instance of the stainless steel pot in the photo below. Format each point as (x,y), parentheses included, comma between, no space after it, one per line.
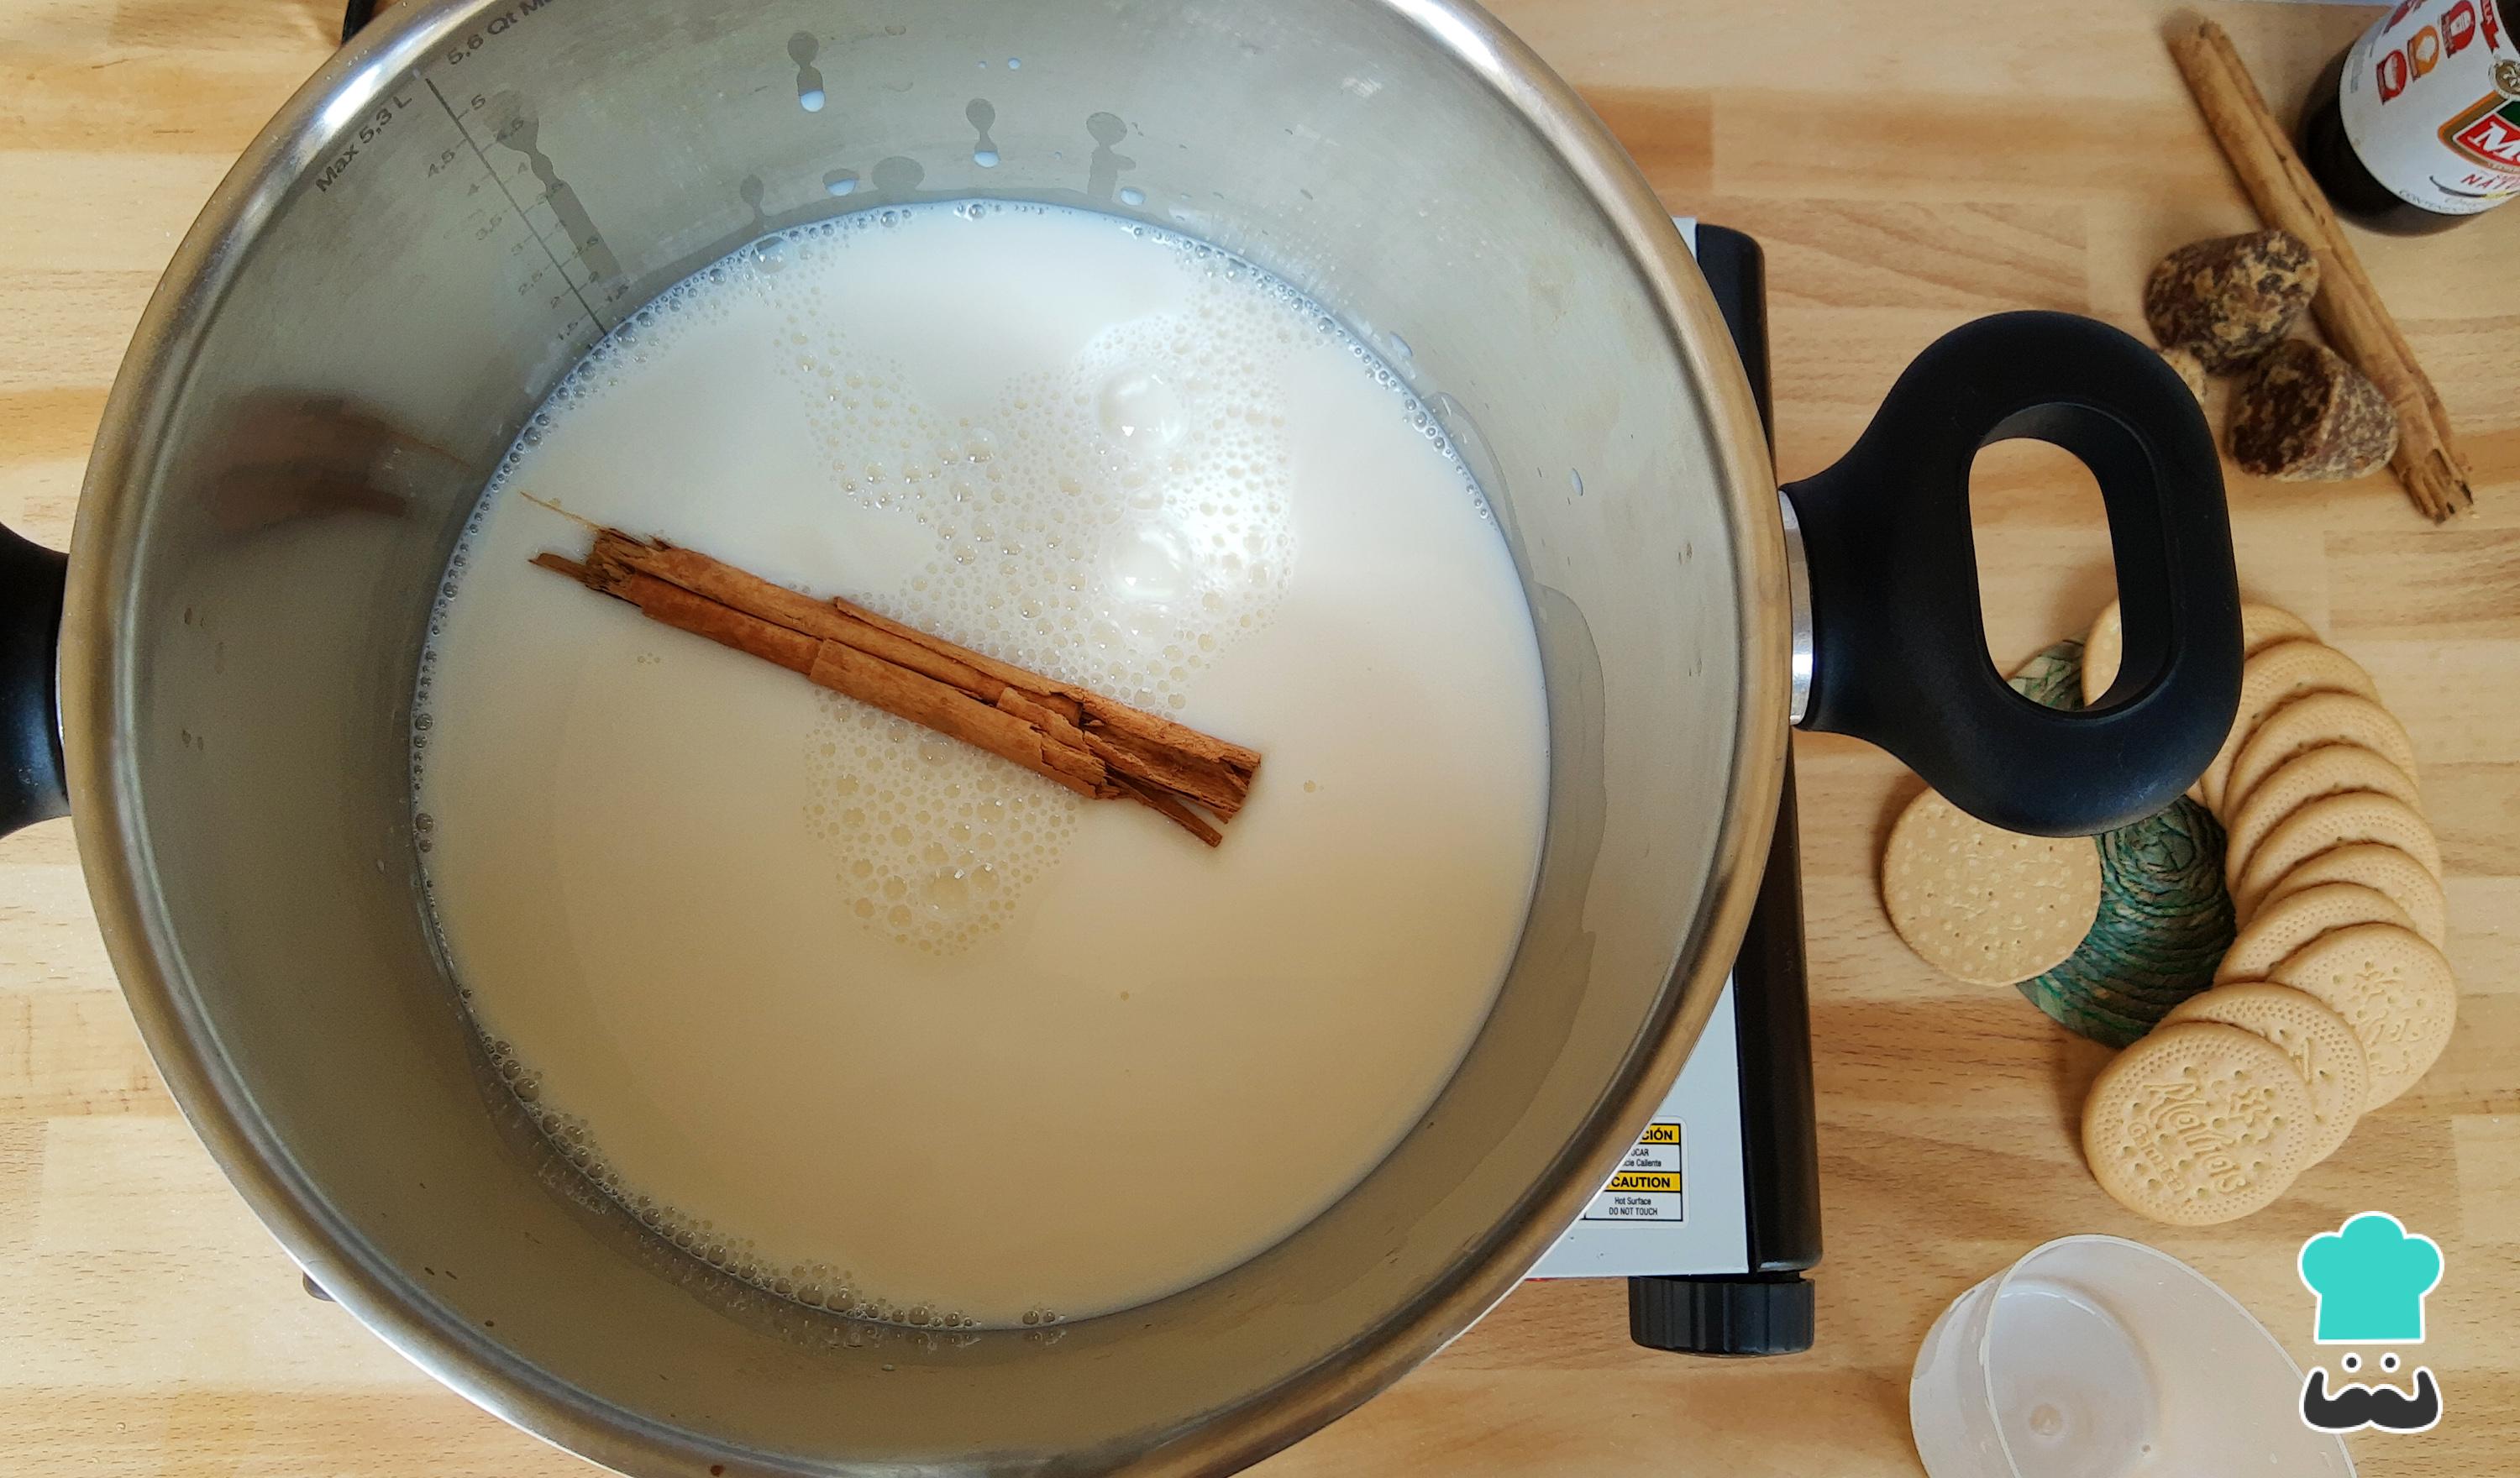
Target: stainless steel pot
(475,190)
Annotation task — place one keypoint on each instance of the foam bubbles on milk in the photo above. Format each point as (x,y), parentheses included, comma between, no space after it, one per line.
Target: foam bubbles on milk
(1117,523)
(1137,500)
(936,838)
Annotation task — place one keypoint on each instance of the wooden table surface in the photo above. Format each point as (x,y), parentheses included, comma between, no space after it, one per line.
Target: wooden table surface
(1908,168)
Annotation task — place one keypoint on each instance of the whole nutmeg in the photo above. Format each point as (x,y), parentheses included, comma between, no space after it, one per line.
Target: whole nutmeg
(2230,299)
(2306,415)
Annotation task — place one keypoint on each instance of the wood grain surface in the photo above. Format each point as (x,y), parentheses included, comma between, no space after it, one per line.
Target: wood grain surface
(1908,168)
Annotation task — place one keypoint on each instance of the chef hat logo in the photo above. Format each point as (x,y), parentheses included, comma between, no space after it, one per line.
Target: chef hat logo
(2370,1276)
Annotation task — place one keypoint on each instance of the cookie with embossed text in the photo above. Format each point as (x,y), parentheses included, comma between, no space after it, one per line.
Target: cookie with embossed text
(2198,1123)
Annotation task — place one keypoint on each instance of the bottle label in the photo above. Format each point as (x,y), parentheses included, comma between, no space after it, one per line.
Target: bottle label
(2430,99)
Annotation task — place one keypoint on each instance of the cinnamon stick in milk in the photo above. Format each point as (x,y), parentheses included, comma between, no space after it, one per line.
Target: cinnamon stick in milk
(1095,745)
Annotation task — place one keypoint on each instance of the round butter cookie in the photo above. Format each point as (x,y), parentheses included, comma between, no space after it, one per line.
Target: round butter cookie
(2328,770)
(2322,1047)
(2272,678)
(2198,1123)
(2333,821)
(2395,991)
(2287,923)
(2379,867)
(2311,723)
(1985,905)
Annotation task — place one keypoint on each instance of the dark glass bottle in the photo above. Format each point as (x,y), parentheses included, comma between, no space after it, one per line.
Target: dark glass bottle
(2434,95)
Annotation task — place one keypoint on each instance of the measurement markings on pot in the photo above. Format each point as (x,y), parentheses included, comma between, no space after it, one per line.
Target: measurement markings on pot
(496,25)
(580,265)
(372,127)
(551,188)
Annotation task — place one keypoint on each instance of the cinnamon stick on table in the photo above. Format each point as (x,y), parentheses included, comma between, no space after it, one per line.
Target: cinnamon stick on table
(1095,745)
(2427,462)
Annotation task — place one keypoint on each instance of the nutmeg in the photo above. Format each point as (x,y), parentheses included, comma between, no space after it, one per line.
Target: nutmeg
(2229,299)
(2305,415)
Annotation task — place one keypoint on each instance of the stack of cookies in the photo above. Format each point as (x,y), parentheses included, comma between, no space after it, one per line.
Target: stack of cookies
(2334,998)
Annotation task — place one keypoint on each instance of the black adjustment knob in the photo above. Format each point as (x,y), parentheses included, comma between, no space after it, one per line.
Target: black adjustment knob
(1750,1314)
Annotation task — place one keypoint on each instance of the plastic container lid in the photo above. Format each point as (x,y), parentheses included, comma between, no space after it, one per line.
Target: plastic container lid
(2094,1356)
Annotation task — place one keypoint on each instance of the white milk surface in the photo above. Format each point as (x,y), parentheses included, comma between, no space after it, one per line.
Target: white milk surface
(884,1022)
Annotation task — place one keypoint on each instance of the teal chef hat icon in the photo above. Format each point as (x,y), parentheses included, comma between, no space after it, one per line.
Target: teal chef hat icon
(2370,1276)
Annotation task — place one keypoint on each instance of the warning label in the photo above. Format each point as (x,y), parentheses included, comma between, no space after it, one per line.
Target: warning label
(1646,1187)
(1638,1225)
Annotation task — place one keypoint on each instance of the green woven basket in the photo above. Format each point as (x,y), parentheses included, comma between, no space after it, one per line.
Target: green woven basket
(2165,919)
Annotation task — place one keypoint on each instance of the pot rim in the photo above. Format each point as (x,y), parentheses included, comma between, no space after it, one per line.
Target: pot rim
(98,702)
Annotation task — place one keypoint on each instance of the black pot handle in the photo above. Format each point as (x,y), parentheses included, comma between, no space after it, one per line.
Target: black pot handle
(1898,639)
(31,784)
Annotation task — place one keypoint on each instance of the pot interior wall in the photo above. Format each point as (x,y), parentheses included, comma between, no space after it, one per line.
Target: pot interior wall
(270,618)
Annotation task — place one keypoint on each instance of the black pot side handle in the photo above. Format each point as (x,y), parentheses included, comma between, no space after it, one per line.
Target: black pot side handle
(1897,638)
(31,784)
